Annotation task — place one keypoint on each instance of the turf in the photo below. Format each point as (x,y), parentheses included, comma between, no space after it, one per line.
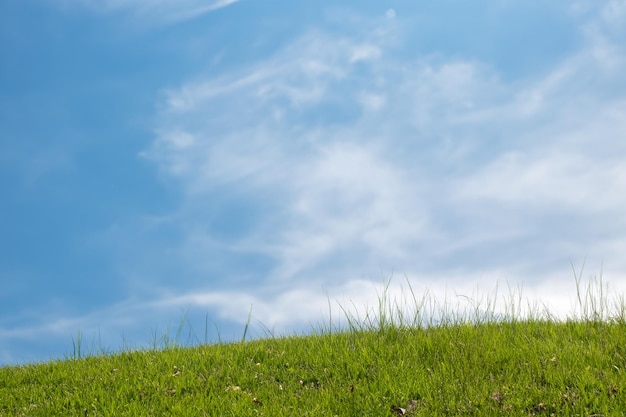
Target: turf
(495,366)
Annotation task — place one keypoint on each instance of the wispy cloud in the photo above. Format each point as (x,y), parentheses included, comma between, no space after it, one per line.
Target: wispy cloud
(366,161)
(318,171)
(158,11)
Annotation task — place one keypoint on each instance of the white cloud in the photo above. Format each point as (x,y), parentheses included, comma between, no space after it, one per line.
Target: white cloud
(552,181)
(371,162)
(308,307)
(614,13)
(372,101)
(355,162)
(158,11)
(365,53)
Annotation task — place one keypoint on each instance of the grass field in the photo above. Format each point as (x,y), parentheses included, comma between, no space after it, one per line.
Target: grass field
(383,364)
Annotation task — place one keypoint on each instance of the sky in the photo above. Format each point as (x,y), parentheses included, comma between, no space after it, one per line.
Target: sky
(175,169)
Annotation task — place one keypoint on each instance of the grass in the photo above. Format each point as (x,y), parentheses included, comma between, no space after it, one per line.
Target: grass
(413,358)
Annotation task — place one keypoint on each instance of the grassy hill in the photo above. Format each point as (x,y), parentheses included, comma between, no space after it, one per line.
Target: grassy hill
(383,367)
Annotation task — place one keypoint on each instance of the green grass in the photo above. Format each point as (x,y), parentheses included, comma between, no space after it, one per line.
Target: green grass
(387,363)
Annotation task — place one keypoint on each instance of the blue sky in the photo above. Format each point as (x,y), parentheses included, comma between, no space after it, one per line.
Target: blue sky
(170,159)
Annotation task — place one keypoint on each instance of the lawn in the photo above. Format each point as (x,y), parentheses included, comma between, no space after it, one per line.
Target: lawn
(376,366)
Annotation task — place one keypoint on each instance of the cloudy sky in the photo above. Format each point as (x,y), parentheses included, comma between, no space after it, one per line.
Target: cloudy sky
(194,160)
